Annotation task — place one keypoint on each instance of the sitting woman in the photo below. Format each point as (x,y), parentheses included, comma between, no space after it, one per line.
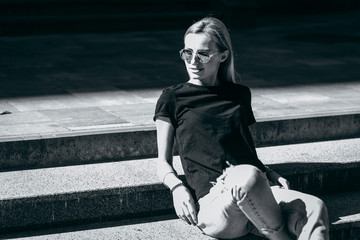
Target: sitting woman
(227,193)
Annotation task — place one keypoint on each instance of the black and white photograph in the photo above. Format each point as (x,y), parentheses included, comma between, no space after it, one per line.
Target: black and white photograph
(179,119)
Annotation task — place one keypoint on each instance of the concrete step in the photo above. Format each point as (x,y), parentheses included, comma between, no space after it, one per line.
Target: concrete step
(126,189)
(140,141)
(345,225)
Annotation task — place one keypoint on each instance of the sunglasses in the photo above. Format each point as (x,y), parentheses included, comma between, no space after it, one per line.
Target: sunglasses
(202,56)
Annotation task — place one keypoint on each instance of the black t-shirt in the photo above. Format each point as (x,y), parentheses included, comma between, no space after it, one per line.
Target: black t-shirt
(211,127)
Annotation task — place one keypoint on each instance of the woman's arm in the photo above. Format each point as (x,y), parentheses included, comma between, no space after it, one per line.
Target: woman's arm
(165,143)
(276,178)
(183,201)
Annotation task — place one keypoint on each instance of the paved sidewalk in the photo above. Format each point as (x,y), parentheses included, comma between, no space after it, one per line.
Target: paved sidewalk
(66,85)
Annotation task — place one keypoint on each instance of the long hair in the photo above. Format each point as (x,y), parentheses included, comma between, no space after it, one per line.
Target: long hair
(217,31)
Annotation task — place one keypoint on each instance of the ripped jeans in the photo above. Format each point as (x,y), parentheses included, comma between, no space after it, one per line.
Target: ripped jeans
(243,202)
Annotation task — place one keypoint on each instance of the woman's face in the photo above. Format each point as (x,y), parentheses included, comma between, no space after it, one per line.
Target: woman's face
(198,71)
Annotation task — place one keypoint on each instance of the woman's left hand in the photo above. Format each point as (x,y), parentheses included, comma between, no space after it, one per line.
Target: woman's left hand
(283,182)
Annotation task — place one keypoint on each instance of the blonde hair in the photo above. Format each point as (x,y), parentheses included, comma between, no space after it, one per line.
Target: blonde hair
(217,31)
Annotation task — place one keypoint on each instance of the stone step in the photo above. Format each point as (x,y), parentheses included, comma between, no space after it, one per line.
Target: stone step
(344,220)
(140,141)
(119,190)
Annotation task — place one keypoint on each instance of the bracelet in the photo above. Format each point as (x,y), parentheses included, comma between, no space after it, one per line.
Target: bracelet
(176,186)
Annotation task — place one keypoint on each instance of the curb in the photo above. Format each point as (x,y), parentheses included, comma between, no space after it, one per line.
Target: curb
(141,142)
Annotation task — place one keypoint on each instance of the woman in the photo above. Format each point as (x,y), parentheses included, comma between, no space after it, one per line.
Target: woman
(227,192)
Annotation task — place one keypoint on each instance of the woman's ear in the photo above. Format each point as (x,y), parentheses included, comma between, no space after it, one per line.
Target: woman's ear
(224,56)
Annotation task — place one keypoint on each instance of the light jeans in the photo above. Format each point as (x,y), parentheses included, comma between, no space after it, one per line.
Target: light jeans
(243,202)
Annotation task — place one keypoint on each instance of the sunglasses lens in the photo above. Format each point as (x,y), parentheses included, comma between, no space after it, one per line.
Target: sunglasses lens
(203,58)
(186,55)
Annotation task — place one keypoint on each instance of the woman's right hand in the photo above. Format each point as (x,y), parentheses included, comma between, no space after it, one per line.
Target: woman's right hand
(184,205)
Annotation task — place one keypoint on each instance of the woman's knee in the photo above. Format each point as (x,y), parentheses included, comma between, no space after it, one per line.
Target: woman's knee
(244,175)
(318,209)
(308,212)
(321,221)
(243,179)
(314,205)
